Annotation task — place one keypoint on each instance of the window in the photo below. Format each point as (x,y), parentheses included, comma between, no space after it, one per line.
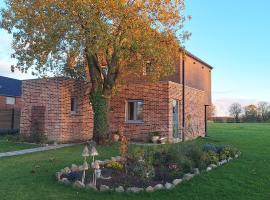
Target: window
(10,100)
(134,111)
(73,105)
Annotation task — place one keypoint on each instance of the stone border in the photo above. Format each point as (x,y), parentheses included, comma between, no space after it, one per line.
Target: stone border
(120,189)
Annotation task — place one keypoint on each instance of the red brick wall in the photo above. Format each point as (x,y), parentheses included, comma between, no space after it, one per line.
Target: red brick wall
(158,110)
(60,125)
(3,104)
(55,95)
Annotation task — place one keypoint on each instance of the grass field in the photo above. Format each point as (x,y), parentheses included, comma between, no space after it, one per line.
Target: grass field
(245,178)
(6,145)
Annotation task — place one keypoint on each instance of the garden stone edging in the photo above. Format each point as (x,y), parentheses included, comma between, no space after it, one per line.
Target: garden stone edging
(121,189)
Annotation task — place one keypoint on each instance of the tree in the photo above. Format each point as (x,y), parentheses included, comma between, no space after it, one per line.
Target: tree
(108,40)
(250,113)
(263,110)
(235,110)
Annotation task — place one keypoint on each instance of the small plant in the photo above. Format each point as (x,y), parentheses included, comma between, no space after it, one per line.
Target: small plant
(141,169)
(228,151)
(209,157)
(115,165)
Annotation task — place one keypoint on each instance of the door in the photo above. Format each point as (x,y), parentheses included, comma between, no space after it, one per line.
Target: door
(175,110)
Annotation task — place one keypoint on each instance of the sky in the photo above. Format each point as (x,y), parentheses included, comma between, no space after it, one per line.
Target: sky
(233,36)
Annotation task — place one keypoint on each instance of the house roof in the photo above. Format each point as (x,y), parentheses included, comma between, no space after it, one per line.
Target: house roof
(198,59)
(10,87)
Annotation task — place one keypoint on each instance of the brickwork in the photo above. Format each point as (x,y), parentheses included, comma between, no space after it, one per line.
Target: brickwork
(157,111)
(55,96)
(3,104)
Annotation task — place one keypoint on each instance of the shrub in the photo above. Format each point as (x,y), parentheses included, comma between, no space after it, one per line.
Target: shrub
(140,168)
(208,158)
(115,165)
(212,147)
(228,151)
(36,138)
(194,153)
(140,162)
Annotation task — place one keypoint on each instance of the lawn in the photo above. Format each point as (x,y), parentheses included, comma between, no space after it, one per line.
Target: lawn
(6,145)
(245,178)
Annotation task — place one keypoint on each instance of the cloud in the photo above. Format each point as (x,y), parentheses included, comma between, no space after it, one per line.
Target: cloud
(5,71)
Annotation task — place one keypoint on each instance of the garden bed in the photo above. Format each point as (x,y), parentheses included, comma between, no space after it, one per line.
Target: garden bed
(148,169)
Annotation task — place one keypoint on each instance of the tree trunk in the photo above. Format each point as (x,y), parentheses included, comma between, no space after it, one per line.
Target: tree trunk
(101,111)
(101,90)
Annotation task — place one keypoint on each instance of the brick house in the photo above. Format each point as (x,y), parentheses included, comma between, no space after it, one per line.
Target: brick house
(10,103)
(175,106)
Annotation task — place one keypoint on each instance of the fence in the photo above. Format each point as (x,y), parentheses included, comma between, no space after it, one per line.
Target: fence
(9,119)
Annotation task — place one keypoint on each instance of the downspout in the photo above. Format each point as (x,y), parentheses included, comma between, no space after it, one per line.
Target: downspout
(183,96)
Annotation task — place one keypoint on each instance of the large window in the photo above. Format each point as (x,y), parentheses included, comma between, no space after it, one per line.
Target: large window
(134,111)
(10,100)
(73,105)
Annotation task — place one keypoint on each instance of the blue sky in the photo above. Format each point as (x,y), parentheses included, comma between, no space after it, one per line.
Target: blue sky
(233,36)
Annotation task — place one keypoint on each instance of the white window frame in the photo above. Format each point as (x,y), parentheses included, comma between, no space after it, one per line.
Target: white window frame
(135,111)
(75,105)
(10,100)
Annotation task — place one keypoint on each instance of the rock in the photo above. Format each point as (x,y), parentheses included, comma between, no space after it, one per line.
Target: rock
(119,189)
(100,162)
(104,188)
(91,186)
(222,162)
(113,159)
(134,189)
(229,159)
(188,176)
(158,187)
(106,162)
(58,175)
(65,181)
(213,166)
(118,158)
(168,186)
(236,156)
(196,171)
(67,170)
(149,189)
(80,168)
(177,181)
(74,168)
(208,169)
(78,184)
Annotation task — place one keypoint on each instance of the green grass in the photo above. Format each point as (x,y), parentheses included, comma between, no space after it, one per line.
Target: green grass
(244,178)
(6,145)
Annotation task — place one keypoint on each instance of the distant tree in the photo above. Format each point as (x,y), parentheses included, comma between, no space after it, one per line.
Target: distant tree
(250,113)
(235,110)
(263,109)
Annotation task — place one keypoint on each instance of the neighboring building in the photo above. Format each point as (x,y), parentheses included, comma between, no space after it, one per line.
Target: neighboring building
(10,93)
(175,107)
(10,103)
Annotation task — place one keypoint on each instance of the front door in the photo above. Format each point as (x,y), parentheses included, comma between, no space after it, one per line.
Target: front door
(175,110)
